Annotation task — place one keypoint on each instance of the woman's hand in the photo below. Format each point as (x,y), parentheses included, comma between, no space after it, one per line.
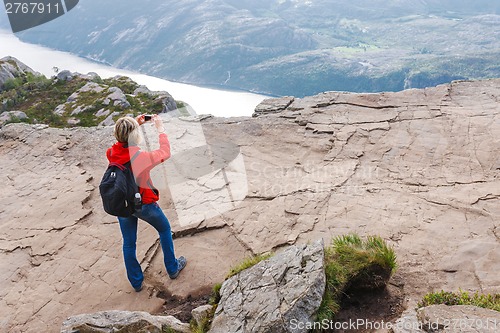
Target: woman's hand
(158,123)
(140,119)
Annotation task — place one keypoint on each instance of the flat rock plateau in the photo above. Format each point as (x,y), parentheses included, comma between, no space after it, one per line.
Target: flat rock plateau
(420,168)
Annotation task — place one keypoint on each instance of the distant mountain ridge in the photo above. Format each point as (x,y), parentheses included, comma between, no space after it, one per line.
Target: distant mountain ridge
(287,47)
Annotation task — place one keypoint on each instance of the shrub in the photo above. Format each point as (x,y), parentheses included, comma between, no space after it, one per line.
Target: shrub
(13,83)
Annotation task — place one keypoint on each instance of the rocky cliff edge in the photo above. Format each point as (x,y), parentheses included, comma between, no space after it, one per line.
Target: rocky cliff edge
(421,168)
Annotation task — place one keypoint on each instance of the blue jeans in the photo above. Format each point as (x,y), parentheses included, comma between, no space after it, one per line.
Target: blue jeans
(152,214)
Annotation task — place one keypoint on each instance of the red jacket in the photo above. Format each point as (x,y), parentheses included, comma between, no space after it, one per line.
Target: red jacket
(142,165)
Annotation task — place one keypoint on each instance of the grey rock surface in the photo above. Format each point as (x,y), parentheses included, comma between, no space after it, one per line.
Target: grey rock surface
(271,295)
(273,105)
(122,321)
(200,313)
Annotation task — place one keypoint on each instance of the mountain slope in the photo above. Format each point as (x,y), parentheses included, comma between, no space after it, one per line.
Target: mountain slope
(287,47)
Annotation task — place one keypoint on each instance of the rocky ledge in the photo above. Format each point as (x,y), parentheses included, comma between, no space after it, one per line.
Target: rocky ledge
(420,168)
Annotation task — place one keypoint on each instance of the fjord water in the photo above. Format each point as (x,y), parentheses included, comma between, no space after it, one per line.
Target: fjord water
(219,103)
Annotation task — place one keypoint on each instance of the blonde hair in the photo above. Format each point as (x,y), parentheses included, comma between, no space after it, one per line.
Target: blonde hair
(127,130)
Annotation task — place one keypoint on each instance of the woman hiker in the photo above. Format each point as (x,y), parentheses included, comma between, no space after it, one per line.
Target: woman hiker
(128,135)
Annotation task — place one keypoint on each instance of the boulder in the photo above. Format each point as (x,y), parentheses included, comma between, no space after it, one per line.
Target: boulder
(60,109)
(73,97)
(79,109)
(21,67)
(123,322)
(12,115)
(91,86)
(65,75)
(169,103)
(118,97)
(73,121)
(90,76)
(109,120)
(11,68)
(102,112)
(144,90)
(407,323)
(275,294)
(200,313)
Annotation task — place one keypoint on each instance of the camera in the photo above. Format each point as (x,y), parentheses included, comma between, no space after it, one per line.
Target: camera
(147,117)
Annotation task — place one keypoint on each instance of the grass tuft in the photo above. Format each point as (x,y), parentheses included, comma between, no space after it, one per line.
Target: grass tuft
(352,263)
(487,301)
(247,263)
(215,296)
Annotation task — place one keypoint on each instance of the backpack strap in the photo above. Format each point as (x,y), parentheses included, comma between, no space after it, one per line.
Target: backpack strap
(129,163)
(133,158)
(125,165)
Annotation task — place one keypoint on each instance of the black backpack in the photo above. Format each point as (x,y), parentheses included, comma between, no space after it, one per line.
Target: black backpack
(119,191)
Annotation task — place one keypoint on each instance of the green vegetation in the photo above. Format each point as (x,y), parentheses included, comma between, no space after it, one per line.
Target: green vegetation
(39,97)
(486,301)
(13,83)
(124,83)
(353,264)
(215,297)
(247,263)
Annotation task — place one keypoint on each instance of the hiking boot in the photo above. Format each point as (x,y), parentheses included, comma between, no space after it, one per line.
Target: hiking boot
(181,264)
